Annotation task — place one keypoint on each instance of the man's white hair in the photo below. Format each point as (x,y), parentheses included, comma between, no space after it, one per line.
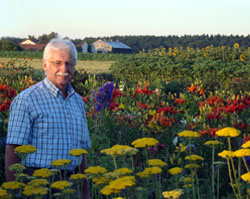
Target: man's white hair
(60,44)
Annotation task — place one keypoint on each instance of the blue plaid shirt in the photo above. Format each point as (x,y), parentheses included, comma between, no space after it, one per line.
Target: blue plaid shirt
(39,116)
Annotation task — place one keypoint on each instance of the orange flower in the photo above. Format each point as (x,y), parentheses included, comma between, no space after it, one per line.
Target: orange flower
(85,99)
(192,88)
(179,101)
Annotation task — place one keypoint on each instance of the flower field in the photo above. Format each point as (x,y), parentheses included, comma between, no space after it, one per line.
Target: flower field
(169,123)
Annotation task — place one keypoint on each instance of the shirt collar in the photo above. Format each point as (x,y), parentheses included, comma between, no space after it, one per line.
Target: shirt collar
(54,90)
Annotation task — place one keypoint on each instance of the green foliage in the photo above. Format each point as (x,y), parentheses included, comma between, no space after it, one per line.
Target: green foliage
(7,45)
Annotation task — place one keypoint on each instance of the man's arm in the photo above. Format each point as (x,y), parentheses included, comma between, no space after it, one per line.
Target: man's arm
(10,158)
(86,192)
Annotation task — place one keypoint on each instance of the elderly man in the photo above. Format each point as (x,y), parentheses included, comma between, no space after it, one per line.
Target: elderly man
(50,115)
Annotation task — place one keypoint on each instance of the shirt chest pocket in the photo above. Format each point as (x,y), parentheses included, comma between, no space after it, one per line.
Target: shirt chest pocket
(49,125)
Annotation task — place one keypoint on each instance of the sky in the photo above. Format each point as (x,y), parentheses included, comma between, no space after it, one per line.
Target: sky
(78,19)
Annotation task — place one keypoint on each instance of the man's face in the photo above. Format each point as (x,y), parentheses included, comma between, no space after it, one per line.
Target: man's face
(59,67)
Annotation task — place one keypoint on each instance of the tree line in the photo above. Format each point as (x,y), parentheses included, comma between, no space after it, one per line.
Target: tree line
(139,43)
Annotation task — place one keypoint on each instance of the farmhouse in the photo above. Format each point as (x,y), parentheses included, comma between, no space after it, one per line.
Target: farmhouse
(28,44)
(101,46)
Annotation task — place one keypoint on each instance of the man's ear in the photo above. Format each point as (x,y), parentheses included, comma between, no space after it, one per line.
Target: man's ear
(45,65)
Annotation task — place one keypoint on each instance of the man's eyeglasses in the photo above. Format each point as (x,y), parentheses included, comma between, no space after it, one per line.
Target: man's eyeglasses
(60,63)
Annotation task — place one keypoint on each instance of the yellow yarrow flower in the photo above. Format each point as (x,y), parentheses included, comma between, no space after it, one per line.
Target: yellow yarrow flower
(95,170)
(175,170)
(246,145)
(194,157)
(43,173)
(12,185)
(33,190)
(78,176)
(3,193)
(187,179)
(156,162)
(69,191)
(213,143)
(246,177)
(25,149)
(192,166)
(119,150)
(143,174)
(124,171)
(119,198)
(77,152)
(144,142)
(242,153)
(60,162)
(153,170)
(187,186)
(61,185)
(174,194)
(111,175)
(189,134)
(17,167)
(226,154)
(228,132)
(100,180)
(122,182)
(107,190)
(38,182)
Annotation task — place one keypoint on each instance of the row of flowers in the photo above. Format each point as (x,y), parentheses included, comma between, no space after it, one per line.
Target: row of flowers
(130,182)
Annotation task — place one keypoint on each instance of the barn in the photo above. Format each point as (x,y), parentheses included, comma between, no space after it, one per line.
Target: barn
(101,46)
(28,44)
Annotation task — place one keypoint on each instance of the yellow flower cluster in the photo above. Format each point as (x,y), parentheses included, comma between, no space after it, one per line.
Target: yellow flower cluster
(246,177)
(144,142)
(3,193)
(192,166)
(78,152)
(175,170)
(124,171)
(38,182)
(100,180)
(156,162)
(33,190)
(78,176)
(116,186)
(189,134)
(43,173)
(149,171)
(213,143)
(226,154)
(25,149)
(60,185)
(187,179)
(120,150)
(12,185)
(228,132)
(95,170)
(17,167)
(119,198)
(60,162)
(246,145)
(242,153)
(174,194)
(194,157)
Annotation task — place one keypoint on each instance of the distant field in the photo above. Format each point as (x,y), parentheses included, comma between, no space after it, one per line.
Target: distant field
(89,66)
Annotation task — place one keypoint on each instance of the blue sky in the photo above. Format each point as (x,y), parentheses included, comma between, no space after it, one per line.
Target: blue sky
(93,18)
